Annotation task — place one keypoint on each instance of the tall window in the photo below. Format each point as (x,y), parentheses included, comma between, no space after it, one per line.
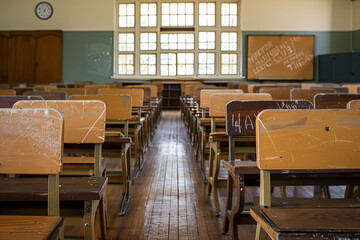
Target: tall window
(182,38)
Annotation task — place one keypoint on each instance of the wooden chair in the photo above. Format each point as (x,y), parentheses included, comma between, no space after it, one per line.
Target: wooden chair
(71,91)
(219,141)
(136,123)
(321,149)
(93,88)
(31,144)
(117,144)
(47,95)
(333,100)
(240,127)
(307,94)
(203,123)
(84,134)
(7,92)
(9,101)
(21,90)
(277,93)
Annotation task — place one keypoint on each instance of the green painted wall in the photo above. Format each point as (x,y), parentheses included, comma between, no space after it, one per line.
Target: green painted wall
(87,56)
(325,42)
(356,41)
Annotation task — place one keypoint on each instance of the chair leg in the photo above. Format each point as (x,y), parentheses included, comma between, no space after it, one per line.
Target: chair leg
(90,208)
(216,182)
(260,233)
(211,169)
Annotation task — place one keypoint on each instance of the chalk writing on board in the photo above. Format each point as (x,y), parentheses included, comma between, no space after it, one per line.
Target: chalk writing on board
(285,53)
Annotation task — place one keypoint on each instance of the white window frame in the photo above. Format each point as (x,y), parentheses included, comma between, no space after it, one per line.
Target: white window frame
(218,29)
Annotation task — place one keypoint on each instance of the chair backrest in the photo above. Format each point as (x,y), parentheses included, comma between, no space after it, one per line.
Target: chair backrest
(71,91)
(307,94)
(153,87)
(184,84)
(353,104)
(84,120)
(32,143)
(308,139)
(241,115)
(147,92)
(137,95)
(118,107)
(218,101)
(205,95)
(188,87)
(7,92)
(93,88)
(48,95)
(333,100)
(21,90)
(352,88)
(277,93)
(9,101)
(4,86)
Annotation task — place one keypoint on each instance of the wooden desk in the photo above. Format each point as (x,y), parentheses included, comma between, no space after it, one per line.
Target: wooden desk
(31,227)
(318,223)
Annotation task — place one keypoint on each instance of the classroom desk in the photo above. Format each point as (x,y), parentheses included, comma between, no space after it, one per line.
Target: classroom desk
(31,227)
(319,223)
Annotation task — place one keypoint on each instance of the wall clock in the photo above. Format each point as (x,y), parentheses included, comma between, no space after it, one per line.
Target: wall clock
(44,10)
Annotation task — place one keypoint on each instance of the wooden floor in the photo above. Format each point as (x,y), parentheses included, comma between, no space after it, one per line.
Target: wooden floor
(169,199)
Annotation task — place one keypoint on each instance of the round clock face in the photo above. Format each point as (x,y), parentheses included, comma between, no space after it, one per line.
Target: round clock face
(43,10)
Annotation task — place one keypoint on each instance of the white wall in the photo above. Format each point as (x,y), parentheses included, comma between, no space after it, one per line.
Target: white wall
(69,15)
(297,15)
(356,15)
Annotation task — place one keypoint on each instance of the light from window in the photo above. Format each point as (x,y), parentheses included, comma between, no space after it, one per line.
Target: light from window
(168,64)
(228,64)
(185,63)
(229,14)
(228,41)
(127,15)
(207,14)
(148,64)
(206,63)
(126,42)
(206,40)
(177,14)
(147,41)
(126,64)
(148,15)
(177,41)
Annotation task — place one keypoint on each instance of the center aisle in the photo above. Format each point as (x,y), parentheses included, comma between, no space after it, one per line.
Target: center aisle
(169,199)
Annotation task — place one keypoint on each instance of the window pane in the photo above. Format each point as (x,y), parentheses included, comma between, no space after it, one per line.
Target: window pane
(177,14)
(206,63)
(126,42)
(207,14)
(206,40)
(185,64)
(127,15)
(148,41)
(228,64)
(148,15)
(126,64)
(228,41)
(229,14)
(147,64)
(167,64)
